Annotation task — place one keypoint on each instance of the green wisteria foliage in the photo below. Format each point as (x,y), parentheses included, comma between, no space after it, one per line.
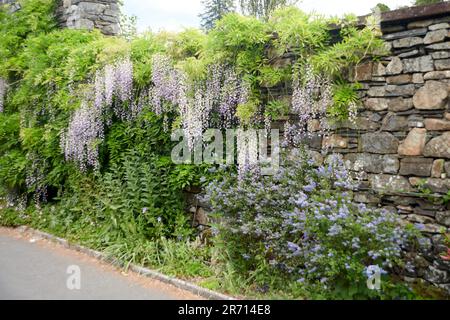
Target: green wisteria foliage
(86,119)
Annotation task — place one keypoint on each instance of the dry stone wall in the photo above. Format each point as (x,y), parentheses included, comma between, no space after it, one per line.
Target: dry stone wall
(99,14)
(401,138)
(103,15)
(399,145)
(13,5)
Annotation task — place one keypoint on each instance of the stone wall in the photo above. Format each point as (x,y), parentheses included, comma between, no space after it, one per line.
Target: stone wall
(89,14)
(84,14)
(13,5)
(399,146)
(401,140)
(400,143)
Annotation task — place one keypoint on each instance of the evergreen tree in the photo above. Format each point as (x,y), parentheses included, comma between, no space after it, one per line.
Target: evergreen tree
(382,7)
(214,10)
(263,8)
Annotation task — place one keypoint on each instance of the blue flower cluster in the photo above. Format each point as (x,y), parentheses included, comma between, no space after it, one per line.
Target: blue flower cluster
(303,223)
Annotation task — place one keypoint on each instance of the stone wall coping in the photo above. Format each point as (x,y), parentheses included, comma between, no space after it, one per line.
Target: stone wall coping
(405,15)
(416,13)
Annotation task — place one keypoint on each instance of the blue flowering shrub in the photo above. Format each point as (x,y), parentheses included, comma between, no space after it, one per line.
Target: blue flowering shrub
(301,227)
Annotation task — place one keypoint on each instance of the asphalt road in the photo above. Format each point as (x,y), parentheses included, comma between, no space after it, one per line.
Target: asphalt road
(37,269)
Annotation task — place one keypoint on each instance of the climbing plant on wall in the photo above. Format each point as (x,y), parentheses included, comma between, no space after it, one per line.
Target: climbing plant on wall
(85,119)
(63,91)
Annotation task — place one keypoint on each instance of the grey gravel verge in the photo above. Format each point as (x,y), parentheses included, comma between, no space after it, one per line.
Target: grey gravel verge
(181,284)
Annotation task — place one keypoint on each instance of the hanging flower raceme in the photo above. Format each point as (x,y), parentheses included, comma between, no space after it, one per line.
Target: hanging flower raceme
(213,85)
(223,93)
(100,90)
(3,87)
(35,177)
(124,79)
(124,89)
(220,93)
(229,98)
(113,87)
(166,81)
(225,90)
(196,100)
(247,146)
(311,98)
(136,107)
(84,134)
(193,110)
(110,84)
(115,80)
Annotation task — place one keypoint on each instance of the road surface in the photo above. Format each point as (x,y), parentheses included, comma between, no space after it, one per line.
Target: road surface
(33,268)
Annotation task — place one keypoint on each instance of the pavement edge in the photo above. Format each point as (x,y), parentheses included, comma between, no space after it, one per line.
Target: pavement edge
(181,284)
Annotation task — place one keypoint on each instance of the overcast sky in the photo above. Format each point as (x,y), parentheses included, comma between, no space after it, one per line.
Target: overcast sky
(174,15)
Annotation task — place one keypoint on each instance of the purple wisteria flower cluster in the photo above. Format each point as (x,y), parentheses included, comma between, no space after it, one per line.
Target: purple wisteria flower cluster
(164,93)
(81,139)
(194,111)
(171,90)
(3,87)
(303,222)
(112,90)
(312,95)
(247,155)
(234,92)
(197,101)
(115,81)
(35,177)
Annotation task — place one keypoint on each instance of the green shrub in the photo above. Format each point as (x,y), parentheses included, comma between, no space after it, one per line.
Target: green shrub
(300,228)
(131,205)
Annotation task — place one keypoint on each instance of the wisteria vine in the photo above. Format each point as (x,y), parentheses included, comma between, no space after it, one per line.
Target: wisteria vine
(85,132)
(115,81)
(197,101)
(3,87)
(113,90)
(166,80)
(210,102)
(312,95)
